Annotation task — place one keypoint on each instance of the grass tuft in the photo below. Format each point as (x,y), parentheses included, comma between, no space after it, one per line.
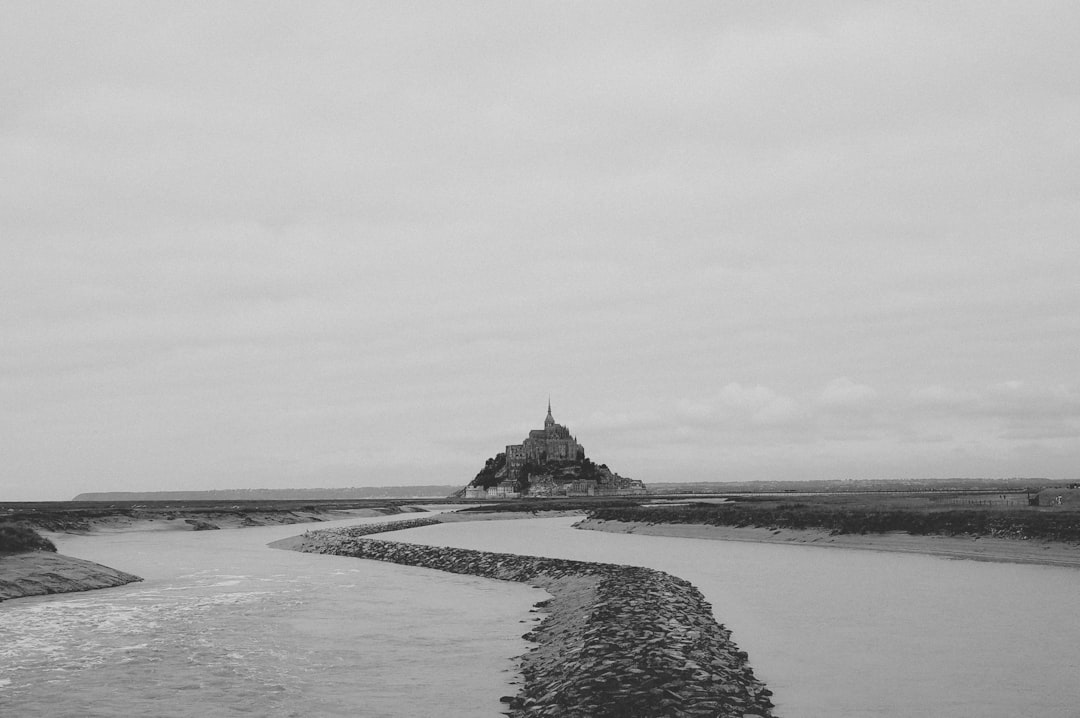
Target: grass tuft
(19,537)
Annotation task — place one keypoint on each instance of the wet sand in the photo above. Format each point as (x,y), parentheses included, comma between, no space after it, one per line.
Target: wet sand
(1046,553)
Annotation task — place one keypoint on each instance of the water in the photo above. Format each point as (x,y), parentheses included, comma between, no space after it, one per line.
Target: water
(848,634)
(224,626)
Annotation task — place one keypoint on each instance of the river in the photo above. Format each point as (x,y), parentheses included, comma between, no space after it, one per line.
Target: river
(224,626)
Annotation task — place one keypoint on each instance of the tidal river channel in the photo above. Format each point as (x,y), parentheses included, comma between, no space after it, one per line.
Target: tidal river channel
(224,626)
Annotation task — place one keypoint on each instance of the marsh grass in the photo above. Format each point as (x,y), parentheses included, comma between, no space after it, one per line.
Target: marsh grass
(15,538)
(849,518)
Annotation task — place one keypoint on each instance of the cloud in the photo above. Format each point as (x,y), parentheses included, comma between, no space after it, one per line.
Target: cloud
(843,393)
(606,422)
(937,395)
(763,405)
(736,404)
(757,238)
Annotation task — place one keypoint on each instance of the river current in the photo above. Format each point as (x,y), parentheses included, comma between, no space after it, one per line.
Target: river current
(224,626)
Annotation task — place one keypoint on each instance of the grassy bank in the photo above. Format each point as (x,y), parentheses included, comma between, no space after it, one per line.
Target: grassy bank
(16,538)
(30,566)
(852,518)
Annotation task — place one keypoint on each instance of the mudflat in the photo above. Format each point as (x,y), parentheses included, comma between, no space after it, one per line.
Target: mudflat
(1048,553)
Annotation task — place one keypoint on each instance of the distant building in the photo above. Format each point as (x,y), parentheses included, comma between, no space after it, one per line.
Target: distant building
(501,490)
(549,462)
(552,443)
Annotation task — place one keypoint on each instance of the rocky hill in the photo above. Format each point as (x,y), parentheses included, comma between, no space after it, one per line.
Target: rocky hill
(577,477)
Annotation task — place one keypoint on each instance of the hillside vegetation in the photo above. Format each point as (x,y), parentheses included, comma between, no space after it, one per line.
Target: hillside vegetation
(15,538)
(563,477)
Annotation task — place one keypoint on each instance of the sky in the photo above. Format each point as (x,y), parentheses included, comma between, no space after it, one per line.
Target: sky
(323,244)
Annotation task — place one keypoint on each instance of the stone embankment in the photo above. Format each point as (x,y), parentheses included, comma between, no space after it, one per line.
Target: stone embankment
(618,641)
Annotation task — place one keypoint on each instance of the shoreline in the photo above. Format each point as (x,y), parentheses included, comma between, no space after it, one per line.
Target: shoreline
(998,550)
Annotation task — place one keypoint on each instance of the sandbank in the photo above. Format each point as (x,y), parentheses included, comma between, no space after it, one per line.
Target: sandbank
(36,573)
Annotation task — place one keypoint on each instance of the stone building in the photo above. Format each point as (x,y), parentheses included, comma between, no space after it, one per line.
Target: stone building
(503,490)
(549,462)
(552,443)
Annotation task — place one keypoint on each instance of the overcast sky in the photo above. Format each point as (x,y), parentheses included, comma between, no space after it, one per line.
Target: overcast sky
(320,244)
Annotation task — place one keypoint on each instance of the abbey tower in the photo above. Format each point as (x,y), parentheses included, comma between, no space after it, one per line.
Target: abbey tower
(552,443)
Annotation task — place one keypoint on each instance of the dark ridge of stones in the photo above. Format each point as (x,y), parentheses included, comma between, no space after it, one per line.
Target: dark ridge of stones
(366,529)
(645,644)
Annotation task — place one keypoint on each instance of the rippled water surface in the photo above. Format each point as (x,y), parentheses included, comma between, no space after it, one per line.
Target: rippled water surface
(224,626)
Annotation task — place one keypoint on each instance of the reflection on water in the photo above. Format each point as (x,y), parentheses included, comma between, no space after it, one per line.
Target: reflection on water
(224,626)
(848,634)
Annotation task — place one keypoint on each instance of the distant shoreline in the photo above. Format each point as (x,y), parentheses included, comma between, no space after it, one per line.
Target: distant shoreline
(1001,550)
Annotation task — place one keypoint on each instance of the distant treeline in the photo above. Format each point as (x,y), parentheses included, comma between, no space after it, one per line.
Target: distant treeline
(1063,526)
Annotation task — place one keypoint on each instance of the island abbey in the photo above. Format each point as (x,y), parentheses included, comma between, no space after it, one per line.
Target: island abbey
(549,462)
(552,443)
